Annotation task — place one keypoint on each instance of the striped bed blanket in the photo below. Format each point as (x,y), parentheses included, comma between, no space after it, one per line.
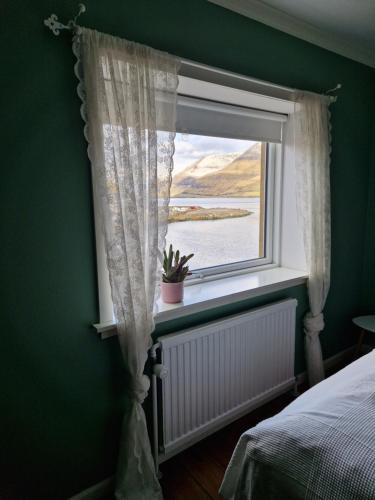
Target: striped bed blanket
(322,446)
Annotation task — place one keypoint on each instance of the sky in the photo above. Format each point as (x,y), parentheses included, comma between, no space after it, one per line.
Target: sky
(189,148)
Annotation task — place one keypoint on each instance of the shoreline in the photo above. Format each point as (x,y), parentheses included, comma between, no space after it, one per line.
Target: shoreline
(197,197)
(197,213)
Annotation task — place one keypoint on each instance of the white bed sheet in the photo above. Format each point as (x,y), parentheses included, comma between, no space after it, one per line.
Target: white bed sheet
(287,455)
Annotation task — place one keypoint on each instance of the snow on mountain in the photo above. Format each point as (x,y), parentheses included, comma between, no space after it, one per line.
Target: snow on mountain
(207,165)
(232,174)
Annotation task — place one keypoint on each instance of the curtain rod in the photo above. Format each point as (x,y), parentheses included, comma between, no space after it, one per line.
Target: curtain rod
(56,26)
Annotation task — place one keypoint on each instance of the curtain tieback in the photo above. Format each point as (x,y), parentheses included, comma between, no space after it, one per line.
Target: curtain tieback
(141,385)
(313,324)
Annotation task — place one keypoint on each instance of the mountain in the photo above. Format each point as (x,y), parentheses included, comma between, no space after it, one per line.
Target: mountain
(225,175)
(207,165)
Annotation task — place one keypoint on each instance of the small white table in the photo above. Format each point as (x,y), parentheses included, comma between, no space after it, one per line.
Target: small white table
(367,324)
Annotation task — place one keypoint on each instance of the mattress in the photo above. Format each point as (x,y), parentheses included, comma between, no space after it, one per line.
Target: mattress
(321,446)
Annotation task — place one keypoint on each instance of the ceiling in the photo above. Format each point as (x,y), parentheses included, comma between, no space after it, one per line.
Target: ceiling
(346,27)
(351,19)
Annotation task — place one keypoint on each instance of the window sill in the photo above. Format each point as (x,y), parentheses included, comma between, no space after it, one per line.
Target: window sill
(208,295)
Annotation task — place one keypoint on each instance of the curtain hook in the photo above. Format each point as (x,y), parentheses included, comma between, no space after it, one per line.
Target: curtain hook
(81,10)
(338,86)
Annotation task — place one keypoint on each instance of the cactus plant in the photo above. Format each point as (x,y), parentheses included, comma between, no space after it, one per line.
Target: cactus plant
(174,266)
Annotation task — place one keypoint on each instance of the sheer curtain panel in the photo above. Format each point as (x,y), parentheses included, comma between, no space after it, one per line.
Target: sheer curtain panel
(309,138)
(129,94)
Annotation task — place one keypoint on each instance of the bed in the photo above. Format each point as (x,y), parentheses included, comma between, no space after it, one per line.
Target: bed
(321,446)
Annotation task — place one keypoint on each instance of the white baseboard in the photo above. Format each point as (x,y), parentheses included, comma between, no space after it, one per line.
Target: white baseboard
(106,487)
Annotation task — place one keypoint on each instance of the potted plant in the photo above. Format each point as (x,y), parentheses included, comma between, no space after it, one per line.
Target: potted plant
(175,271)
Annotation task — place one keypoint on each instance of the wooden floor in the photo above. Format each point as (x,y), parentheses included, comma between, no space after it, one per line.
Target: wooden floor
(196,473)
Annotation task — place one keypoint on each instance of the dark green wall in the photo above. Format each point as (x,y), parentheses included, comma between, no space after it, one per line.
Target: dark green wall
(62,387)
(368,303)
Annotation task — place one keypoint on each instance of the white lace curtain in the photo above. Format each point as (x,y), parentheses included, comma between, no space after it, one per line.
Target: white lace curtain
(129,94)
(309,138)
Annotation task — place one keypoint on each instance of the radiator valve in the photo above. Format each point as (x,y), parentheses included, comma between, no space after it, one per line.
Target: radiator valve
(160,371)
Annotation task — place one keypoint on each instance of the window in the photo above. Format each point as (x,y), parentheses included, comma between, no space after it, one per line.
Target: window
(224,190)
(232,195)
(217,207)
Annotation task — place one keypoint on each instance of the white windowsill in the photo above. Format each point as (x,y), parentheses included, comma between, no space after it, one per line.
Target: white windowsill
(223,291)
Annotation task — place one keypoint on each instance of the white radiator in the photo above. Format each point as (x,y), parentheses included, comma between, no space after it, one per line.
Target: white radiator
(222,370)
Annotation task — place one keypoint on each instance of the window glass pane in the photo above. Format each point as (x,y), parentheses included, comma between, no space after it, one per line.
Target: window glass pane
(217,200)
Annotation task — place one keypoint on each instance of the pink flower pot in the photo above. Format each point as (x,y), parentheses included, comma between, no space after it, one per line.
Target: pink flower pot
(172,293)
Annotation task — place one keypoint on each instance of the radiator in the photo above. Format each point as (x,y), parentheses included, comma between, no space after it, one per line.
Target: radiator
(220,371)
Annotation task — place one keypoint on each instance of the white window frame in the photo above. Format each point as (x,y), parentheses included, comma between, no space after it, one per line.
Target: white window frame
(271,230)
(243,91)
(208,91)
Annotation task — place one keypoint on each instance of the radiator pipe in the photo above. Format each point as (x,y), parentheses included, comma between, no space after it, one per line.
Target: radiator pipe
(155,373)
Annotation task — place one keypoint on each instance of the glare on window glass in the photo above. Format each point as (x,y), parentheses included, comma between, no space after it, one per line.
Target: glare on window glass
(217,200)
